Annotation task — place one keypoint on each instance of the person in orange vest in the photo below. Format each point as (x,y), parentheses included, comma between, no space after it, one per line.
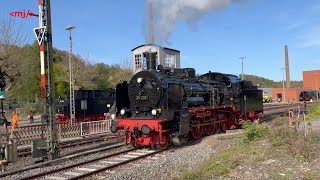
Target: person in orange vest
(15,119)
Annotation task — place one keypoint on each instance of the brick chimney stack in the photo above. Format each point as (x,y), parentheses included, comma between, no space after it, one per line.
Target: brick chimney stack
(287,66)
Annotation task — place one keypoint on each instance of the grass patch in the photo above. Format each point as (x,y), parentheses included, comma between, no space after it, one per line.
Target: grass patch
(311,175)
(277,175)
(280,121)
(294,141)
(222,163)
(261,142)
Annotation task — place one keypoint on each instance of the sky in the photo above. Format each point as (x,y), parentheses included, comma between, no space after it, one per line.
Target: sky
(106,31)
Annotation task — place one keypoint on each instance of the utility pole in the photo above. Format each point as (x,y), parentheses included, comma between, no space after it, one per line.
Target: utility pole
(71,78)
(242,77)
(283,92)
(317,86)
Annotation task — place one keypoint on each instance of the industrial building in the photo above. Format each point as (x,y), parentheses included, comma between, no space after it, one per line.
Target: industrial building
(167,57)
(310,83)
(287,94)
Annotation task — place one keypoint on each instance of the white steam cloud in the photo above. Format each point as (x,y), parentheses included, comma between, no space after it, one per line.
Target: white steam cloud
(168,12)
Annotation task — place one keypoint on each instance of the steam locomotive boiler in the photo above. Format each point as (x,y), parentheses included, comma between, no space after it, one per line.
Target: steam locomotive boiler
(157,106)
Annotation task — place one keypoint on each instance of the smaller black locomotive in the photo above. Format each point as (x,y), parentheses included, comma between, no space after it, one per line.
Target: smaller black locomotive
(89,105)
(308,95)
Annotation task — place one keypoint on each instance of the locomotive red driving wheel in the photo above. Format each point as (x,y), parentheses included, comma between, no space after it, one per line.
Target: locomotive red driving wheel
(224,126)
(210,129)
(197,132)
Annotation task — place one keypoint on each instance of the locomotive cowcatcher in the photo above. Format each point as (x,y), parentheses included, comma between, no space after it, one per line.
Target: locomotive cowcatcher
(97,103)
(167,105)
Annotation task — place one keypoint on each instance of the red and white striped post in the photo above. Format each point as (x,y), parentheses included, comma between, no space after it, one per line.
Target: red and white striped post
(43,79)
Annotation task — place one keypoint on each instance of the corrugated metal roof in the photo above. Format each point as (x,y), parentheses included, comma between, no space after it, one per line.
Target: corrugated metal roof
(155,45)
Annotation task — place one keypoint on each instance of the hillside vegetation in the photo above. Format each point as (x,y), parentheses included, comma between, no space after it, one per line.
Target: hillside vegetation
(267,83)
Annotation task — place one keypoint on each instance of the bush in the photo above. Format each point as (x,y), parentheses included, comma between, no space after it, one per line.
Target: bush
(314,112)
(253,131)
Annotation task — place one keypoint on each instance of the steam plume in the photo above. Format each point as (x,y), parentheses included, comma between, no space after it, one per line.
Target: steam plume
(168,12)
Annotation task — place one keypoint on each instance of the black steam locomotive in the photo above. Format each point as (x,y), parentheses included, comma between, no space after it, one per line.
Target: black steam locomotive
(163,104)
(89,105)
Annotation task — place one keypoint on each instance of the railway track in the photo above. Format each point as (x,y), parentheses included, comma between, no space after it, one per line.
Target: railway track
(94,166)
(26,151)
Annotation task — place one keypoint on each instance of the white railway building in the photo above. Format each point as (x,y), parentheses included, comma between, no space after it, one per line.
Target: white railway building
(165,56)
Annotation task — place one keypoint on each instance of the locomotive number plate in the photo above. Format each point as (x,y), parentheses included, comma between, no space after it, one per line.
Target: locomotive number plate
(142,98)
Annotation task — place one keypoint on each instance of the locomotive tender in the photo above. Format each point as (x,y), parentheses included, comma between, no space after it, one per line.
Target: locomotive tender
(157,106)
(97,102)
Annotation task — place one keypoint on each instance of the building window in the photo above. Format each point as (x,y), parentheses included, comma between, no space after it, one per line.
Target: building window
(144,62)
(170,60)
(138,61)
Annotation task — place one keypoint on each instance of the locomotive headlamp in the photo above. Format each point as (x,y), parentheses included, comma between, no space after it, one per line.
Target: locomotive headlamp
(122,112)
(139,80)
(154,112)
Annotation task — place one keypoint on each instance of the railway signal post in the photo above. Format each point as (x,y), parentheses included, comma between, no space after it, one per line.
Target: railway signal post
(49,147)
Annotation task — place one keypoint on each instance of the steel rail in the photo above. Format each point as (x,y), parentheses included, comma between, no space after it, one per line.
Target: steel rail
(67,144)
(88,174)
(68,157)
(77,164)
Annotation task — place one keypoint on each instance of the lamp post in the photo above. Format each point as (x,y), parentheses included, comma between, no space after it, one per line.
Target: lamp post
(71,83)
(317,86)
(242,78)
(283,93)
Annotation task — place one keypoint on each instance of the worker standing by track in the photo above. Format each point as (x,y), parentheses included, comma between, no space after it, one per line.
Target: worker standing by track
(15,119)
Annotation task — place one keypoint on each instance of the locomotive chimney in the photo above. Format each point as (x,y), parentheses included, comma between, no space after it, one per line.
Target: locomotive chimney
(287,67)
(151,60)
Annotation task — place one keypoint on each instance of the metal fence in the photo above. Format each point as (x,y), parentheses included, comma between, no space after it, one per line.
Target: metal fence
(95,127)
(25,135)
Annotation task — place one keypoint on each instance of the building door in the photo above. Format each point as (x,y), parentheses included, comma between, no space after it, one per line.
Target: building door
(279,97)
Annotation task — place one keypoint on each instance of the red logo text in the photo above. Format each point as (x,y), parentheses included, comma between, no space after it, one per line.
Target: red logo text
(22,14)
